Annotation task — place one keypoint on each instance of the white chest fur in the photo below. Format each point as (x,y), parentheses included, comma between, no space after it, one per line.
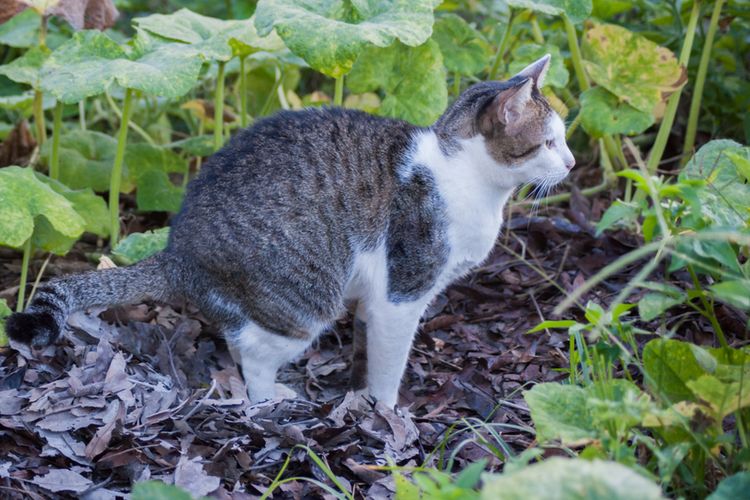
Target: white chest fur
(474,202)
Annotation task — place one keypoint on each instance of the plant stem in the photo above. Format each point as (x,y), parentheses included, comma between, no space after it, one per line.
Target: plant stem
(556,198)
(503,45)
(136,128)
(243,93)
(536,31)
(24,274)
(219,108)
(708,308)
(575,54)
(43,31)
(54,162)
(573,126)
(338,91)
(116,178)
(82,113)
(657,151)
(39,124)
(38,279)
(456,84)
(700,80)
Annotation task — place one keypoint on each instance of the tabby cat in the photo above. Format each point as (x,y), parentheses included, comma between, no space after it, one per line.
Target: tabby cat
(309,210)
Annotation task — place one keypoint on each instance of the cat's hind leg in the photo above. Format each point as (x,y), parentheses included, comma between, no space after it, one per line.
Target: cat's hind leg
(358,379)
(261,354)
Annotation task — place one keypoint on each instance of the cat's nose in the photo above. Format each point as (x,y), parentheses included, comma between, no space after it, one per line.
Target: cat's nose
(569,164)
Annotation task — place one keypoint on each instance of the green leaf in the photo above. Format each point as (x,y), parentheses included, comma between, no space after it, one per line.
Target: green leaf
(413,79)
(668,365)
(559,413)
(330,34)
(734,292)
(90,62)
(138,246)
(199,145)
(470,476)
(527,53)
(5,311)
(571,479)
(30,208)
(607,9)
(563,323)
(652,305)
(214,39)
(465,51)
(635,69)
(156,490)
(617,212)
(86,159)
(405,489)
(577,10)
(151,166)
(603,113)
(21,30)
(726,197)
(723,397)
(92,208)
(732,487)
(26,68)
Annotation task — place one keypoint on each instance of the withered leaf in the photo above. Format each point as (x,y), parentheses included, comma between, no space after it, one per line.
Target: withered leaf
(57,480)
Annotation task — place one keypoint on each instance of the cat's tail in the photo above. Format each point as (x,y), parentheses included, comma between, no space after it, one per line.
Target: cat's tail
(43,320)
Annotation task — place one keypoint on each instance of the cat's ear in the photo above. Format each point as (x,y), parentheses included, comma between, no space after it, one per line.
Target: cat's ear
(537,70)
(511,103)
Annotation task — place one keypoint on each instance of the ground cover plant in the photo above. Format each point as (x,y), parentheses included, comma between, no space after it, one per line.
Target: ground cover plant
(601,350)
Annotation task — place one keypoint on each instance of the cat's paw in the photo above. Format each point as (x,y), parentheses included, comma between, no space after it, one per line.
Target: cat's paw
(284,392)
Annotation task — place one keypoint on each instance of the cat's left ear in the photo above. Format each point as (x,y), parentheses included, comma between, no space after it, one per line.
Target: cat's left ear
(537,70)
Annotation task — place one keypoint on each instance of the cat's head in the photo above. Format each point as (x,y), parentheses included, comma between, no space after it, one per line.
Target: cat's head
(523,136)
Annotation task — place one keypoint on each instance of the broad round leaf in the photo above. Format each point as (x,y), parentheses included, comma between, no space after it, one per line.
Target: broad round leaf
(330,34)
(138,246)
(732,487)
(151,166)
(635,69)
(90,62)
(669,365)
(413,79)
(465,51)
(30,207)
(557,75)
(86,159)
(603,113)
(26,68)
(92,208)
(576,10)
(559,413)
(214,39)
(726,197)
(21,30)
(571,479)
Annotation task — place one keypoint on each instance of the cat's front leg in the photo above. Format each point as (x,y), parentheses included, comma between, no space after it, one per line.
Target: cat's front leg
(390,330)
(358,380)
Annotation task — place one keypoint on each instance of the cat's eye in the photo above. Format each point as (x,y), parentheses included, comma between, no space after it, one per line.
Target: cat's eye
(549,143)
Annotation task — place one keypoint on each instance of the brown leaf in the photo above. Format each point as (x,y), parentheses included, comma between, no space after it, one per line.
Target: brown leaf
(17,146)
(103,436)
(9,8)
(57,480)
(87,14)
(191,476)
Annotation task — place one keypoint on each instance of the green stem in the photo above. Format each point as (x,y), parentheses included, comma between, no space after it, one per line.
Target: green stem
(700,80)
(43,31)
(536,31)
(575,54)
(54,162)
(114,181)
(708,308)
(219,108)
(137,129)
(24,274)
(608,151)
(243,93)
(456,84)
(39,123)
(557,198)
(338,91)
(660,144)
(503,45)
(82,113)
(573,126)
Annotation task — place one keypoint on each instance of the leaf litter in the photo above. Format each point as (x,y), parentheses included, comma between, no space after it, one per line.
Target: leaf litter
(150,391)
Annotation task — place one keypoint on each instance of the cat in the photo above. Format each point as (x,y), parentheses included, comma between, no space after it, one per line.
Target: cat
(308,210)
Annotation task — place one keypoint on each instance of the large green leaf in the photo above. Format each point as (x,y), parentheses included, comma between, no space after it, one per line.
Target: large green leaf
(29,207)
(151,166)
(603,113)
(722,397)
(732,487)
(26,68)
(331,34)
(726,197)
(21,30)
(465,51)
(92,208)
(571,479)
(413,79)
(156,490)
(559,412)
(86,159)
(635,69)
(90,62)
(214,39)
(557,74)
(138,246)
(668,365)
(576,10)
(735,292)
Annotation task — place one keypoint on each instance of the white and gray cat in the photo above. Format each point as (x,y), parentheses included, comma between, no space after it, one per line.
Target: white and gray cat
(308,210)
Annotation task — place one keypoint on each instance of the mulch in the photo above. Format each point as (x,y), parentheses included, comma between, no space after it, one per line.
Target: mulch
(150,392)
